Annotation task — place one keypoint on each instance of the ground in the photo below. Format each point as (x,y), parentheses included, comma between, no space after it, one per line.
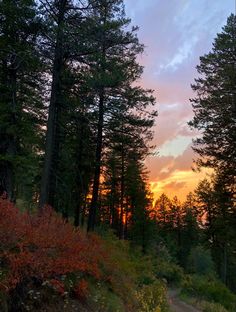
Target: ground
(176,305)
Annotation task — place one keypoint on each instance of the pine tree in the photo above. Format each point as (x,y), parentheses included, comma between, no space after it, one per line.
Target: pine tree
(58,9)
(176,223)
(21,109)
(162,208)
(128,137)
(190,228)
(63,22)
(218,221)
(112,67)
(215,103)
(138,224)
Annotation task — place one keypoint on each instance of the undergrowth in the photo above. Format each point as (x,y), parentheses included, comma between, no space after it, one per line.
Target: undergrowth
(210,289)
(48,265)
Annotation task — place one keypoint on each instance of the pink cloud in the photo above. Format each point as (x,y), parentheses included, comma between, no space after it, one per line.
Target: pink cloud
(185,161)
(161,168)
(175,185)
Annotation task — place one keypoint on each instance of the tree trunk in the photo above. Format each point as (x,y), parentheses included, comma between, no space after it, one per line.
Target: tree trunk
(83,208)
(94,201)
(79,182)
(113,209)
(121,231)
(47,191)
(126,224)
(98,156)
(224,266)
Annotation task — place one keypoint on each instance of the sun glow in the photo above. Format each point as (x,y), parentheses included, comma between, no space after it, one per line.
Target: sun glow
(180,183)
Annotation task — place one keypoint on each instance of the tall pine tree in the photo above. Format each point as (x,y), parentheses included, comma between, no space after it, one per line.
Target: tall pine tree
(21,109)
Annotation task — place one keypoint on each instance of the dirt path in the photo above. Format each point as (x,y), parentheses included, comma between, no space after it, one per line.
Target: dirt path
(176,305)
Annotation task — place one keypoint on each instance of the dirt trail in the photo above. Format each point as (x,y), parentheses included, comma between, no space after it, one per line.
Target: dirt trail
(176,305)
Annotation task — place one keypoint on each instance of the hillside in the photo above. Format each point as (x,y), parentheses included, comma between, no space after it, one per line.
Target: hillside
(48,265)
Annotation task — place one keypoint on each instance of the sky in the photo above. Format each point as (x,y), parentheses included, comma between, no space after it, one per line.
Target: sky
(175,33)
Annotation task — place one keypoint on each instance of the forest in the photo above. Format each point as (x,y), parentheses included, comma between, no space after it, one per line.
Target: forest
(80,229)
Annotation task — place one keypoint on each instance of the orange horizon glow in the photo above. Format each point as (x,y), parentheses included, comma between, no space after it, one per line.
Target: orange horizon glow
(179,184)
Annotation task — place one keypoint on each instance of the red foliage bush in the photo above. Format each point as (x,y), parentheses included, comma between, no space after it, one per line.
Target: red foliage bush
(11,226)
(44,246)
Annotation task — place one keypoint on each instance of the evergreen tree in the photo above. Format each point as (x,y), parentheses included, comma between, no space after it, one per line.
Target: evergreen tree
(190,228)
(55,10)
(64,37)
(162,207)
(112,68)
(138,225)
(215,104)
(21,109)
(176,223)
(217,205)
(128,137)
(75,63)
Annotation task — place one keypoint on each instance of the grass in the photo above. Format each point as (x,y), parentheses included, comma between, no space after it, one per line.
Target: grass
(211,292)
(202,305)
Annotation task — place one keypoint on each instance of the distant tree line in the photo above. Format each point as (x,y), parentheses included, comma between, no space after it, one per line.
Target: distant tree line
(198,226)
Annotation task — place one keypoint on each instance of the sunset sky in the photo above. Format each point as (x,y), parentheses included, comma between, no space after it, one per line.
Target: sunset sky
(176,33)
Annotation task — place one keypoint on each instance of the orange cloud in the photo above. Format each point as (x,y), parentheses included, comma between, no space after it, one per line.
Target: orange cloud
(174,175)
(179,183)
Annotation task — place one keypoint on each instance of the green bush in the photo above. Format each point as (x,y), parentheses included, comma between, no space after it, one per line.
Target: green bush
(152,298)
(212,307)
(210,289)
(202,305)
(171,272)
(200,262)
(132,280)
(102,299)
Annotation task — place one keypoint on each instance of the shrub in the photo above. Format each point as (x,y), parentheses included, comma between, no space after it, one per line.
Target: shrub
(43,246)
(212,307)
(46,260)
(200,261)
(152,298)
(210,289)
(170,272)
(105,300)
(119,269)
(132,277)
